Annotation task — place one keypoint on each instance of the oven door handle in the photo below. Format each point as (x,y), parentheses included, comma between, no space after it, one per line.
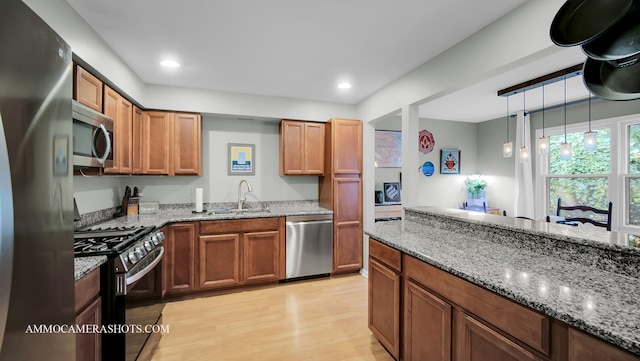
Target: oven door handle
(147,269)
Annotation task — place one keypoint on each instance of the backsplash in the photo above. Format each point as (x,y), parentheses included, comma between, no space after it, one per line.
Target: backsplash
(92,218)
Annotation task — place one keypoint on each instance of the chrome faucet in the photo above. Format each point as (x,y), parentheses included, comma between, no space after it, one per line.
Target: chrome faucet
(243,199)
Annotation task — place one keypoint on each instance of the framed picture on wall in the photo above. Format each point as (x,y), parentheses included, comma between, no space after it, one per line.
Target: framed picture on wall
(449,161)
(391,192)
(242,159)
(388,149)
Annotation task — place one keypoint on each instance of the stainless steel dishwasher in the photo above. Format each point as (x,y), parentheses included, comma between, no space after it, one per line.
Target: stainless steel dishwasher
(309,249)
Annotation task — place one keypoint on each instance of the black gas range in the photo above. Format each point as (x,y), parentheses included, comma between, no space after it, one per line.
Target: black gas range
(131,287)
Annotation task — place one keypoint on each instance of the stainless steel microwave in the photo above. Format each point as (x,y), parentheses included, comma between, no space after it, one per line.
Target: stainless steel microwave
(92,138)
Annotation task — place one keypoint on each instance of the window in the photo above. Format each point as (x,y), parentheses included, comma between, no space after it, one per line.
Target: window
(584,178)
(610,173)
(633,175)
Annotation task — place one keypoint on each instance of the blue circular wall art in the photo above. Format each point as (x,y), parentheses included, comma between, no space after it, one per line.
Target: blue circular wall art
(428,169)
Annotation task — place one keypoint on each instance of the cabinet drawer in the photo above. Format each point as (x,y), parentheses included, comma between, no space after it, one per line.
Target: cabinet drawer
(239,225)
(391,257)
(87,288)
(518,321)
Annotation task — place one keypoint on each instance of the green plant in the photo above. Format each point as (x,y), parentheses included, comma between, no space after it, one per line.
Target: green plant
(475,184)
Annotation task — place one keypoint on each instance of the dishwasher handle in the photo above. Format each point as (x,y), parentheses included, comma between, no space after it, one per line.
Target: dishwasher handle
(289,223)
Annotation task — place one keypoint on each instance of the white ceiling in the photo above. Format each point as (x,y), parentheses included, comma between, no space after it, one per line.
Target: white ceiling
(303,49)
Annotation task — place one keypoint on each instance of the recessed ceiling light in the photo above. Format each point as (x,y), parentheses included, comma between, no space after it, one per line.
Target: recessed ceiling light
(170,63)
(344,85)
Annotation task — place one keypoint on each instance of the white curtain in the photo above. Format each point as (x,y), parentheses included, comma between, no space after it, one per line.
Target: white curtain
(523,201)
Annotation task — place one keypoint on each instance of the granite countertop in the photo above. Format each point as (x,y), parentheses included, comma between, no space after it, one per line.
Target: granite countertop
(183,213)
(186,215)
(84,265)
(597,301)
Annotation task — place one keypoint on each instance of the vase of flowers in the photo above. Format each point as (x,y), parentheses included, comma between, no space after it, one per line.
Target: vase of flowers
(475,187)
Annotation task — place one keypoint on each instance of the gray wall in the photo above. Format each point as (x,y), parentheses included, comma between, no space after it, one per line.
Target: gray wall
(104,192)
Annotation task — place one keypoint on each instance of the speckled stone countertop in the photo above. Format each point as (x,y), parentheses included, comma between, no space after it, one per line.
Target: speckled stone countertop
(180,213)
(520,260)
(183,213)
(84,265)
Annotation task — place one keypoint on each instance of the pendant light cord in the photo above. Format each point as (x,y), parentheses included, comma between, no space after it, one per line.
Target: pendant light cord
(589,112)
(565,109)
(507,119)
(524,118)
(542,110)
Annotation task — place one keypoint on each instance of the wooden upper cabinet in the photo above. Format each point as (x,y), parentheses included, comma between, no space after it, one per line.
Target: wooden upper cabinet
(121,111)
(87,89)
(187,144)
(347,146)
(156,130)
(136,142)
(301,148)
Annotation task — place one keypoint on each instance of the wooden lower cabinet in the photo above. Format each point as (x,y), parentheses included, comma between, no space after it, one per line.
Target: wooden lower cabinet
(88,312)
(179,257)
(583,347)
(218,260)
(427,325)
(260,256)
(476,341)
(210,255)
(347,225)
(384,306)
(447,318)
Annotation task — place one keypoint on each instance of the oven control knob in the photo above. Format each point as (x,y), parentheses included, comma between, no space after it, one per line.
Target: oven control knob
(133,257)
(148,245)
(160,236)
(155,239)
(140,252)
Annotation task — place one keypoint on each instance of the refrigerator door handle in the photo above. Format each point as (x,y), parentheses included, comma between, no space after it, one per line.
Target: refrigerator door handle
(6,231)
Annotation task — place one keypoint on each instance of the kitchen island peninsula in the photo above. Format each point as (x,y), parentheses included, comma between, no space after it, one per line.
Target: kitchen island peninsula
(448,284)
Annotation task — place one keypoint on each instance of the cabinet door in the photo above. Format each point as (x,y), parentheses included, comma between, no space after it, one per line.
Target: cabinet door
(87,89)
(347,146)
(136,142)
(384,306)
(292,147)
(179,257)
(187,149)
(120,110)
(427,325)
(583,347)
(89,345)
(347,231)
(314,148)
(260,256)
(477,342)
(155,142)
(218,260)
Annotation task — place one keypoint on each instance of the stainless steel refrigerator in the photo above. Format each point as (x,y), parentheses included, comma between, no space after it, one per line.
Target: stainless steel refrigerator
(36,189)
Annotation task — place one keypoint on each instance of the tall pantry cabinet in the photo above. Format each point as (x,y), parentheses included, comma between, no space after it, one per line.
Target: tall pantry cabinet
(341,191)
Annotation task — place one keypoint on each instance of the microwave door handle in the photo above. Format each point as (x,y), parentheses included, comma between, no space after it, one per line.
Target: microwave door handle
(107,150)
(6,231)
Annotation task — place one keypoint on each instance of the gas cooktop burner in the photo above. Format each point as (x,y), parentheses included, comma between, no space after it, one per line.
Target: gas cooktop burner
(96,242)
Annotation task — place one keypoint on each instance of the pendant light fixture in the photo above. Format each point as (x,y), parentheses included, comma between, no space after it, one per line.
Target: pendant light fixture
(543,142)
(507,148)
(590,137)
(524,151)
(565,148)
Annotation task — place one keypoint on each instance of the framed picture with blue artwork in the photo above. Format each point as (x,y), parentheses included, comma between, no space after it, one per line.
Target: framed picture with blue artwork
(242,159)
(449,161)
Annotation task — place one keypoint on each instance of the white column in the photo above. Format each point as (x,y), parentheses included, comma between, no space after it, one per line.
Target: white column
(410,152)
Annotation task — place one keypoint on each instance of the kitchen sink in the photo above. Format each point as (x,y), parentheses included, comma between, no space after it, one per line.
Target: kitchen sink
(238,211)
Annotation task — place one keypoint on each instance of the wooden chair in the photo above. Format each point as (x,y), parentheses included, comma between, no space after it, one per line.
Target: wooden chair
(474,208)
(586,211)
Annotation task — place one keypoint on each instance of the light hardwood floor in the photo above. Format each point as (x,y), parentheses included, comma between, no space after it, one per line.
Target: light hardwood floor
(323,319)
